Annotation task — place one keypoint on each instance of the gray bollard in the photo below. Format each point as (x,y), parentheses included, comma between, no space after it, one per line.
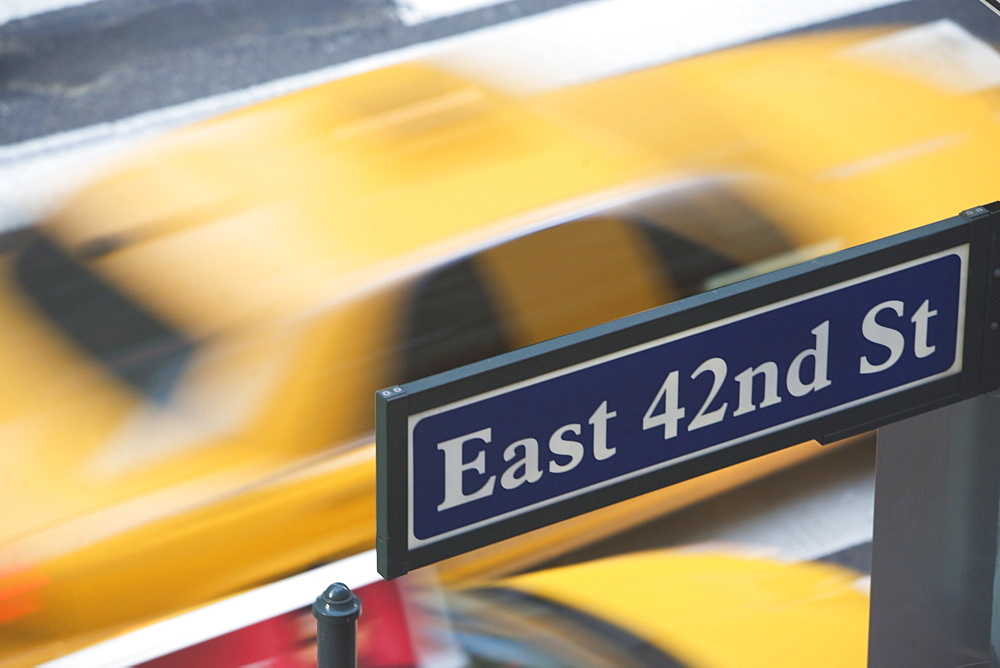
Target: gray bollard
(336,612)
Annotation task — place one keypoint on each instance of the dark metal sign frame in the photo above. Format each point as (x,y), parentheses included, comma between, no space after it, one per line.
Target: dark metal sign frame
(980,372)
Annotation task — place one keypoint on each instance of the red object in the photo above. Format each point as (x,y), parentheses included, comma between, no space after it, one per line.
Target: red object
(275,643)
(383,629)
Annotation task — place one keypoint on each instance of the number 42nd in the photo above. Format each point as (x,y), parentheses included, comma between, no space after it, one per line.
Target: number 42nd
(665,410)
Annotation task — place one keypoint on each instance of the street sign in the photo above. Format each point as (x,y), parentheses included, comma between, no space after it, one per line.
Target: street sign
(822,350)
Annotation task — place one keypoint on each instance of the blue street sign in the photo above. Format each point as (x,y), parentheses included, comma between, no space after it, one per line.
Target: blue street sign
(564,433)
(826,348)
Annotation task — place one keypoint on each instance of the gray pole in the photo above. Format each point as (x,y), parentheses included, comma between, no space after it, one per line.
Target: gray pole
(934,543)
(336,612)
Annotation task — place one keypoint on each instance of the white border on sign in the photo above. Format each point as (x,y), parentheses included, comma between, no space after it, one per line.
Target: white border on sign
(961,251)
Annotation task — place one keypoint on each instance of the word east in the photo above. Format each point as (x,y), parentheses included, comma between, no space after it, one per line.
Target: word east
(565,444)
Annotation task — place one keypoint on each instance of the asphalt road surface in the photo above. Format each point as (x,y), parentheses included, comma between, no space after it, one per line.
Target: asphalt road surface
(116,58)
(112,59)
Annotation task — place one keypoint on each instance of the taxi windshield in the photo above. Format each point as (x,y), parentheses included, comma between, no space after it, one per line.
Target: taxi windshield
(134,344)
(497,626)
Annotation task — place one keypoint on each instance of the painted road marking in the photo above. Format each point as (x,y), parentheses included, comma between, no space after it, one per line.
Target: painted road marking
(414,12)
(12,10)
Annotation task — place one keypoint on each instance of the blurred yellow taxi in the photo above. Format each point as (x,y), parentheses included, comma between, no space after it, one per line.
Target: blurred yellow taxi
(666,608)
(190,347)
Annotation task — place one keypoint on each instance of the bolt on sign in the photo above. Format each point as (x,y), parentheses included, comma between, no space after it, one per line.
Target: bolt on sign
(820,350)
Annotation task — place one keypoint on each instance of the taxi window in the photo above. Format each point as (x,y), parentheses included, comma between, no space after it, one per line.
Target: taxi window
(686,264)
(571,276)
(580,273)
(497,626)
(127,340)
(452,321)
(704,230)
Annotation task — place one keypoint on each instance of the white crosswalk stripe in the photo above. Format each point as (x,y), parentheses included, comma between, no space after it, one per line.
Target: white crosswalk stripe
(11,10)
(413,12)
(410,12)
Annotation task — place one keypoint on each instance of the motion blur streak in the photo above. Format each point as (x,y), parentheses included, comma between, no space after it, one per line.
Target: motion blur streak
(191,344)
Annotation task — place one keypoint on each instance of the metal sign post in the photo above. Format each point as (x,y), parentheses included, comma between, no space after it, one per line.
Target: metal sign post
(336,611)
(821,350)
(934,543)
